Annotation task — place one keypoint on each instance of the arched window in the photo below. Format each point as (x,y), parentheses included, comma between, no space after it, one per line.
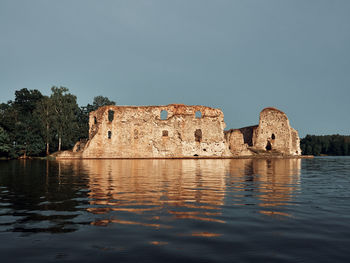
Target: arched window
(273,136)
(109,134)
(268,146)
(163,115)
(198,114)
(110,115)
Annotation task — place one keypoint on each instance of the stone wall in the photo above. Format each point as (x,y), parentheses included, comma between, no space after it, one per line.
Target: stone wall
(238,141)
(274,133)
(181,131)
(171,131)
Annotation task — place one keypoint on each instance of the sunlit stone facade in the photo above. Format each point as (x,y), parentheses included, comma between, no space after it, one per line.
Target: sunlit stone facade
(182,131)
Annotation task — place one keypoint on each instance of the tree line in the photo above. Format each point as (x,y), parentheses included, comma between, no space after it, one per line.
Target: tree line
(36,125)
(325,145)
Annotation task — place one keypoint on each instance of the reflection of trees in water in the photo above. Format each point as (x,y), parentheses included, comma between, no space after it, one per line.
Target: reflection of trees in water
(36,197)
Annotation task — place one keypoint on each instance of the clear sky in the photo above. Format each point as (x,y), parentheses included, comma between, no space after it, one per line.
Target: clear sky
(240,56)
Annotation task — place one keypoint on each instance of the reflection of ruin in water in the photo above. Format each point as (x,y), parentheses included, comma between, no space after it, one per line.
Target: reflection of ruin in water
(185,189)
(275,180)
(180,189)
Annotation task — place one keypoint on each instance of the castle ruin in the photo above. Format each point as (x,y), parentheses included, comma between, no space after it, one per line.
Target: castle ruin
(182,131)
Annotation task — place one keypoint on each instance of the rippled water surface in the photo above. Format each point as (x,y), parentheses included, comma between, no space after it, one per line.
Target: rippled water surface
(175,210)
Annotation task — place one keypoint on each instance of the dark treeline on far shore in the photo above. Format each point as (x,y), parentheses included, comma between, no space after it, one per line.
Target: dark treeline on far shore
(36,125)
(325,145)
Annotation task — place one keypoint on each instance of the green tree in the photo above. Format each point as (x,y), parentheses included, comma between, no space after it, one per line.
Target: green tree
(65,109)
(83,123)
(5,143)
(308,150)
(100,101)
(326,144)
(7,116)
(26,129)
(317,149)
(26,100)
(45,113)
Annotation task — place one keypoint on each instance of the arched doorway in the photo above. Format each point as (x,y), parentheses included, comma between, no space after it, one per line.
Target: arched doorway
(268,146)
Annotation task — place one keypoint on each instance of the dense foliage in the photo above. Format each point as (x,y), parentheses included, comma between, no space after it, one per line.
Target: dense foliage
(35,125)
(325,145)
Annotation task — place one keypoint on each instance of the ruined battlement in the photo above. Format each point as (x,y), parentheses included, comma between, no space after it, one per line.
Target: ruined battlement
(181,131)
(273,135)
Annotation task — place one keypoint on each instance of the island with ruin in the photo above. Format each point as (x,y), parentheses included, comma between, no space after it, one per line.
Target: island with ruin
(182,131)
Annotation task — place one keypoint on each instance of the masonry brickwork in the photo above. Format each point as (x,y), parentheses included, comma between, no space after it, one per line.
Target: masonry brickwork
(273,135)
(181,131)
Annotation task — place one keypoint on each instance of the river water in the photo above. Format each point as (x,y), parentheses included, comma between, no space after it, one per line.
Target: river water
(275,210)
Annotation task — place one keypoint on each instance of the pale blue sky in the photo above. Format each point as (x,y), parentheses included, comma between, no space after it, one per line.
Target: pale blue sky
(240,56)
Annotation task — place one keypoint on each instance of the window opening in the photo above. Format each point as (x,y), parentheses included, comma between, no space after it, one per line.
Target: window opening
(165,133)
(198,135)
(109,134)
(163,115)
(95,120)
(268,146)
(110,115)
(273,136)
(198,114)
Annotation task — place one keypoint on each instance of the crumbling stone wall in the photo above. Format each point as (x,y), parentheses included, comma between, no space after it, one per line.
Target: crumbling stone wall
(238,141)
(181,131)
(275,133)
(272,135)
(155,132)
